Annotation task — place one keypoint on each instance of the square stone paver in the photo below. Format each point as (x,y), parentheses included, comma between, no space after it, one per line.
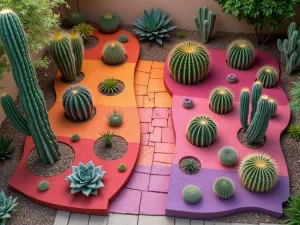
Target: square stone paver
(159,123)
(139,181)
(79,219)
(141,78)
(144,66)
(139,101)
(168,135)
(156,73)
(121,219)
(145,156)
(163,100)
(158,65)
(145,115)
(144,139)
(156,135)
(140,89)
(182,221)
(144,128)
(153,203)
(159,183)
(147,102)
(197,222)
(98,220)
(161,168)
(160,113)
(163,158)
(155,220)
(62,218)
(209,223)
(156,85)
(164,148)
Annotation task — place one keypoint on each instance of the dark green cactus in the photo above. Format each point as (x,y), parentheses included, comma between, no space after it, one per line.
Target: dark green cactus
(189,63)
(109,23)
(114,54)
(78,103)
(273,106)
(31,97)
(267,75)
(240,55)
(202,131)
(256,93)
(244,108)
(78,50)
(221,100)
(62,53)
(115,119)
(223,187)
(123,39)
(205,23)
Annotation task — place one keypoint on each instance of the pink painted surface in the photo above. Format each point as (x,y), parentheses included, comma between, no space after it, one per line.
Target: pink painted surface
(139,181)
(153,203)
(159,183)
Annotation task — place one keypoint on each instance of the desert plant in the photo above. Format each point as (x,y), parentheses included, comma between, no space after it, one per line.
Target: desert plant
(7,207)
(84,29)
(240,55)
(75,18)
(107,136)
(75,138)
(244,108)
(189,63)
(256,94)
(115,118)
(231,78)
(205,23)
(122,167)
(267,75)
(202,131)
(86,179)
(180,35)
(258,172)
(292,210)
(191,194)
(62,53)
(295,94)
(190,165)
(228,156)
(221,100)
(43,185)
(110,86)
(78,50)
(6,151)
(154,26)
(78,103)
(109,23)
(223,187)
(188,103)
(294,131)
(123,39)
(31,97)
(273,106)
(114,53)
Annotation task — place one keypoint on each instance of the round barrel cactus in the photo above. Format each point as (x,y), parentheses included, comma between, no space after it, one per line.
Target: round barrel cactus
(267,75)
(240,55)
(78,103)
(123,39)
(191,194)
(202,131)
(221,100)
(114,53)
(109,23)
(189,63)
(258,172)
(223,187)
(273,106)
(115,119)
(228,156)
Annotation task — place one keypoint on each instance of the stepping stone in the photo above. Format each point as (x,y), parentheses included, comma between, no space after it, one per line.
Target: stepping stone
(139,181)
(168,135)
(153,203)
(151,144)
(161,168)
(140,89)
(128,201)
(163,100)
(79,219)
(156,73)
(156,85)
(163,158)
(148,103)
(144,139)
(160,113)
(151,129)
(155,220)
(145,159)
(144,66)
(121,219)
(62,218)
(139,101)
(170,124)
(144,128)
(141,78)
(182,222)
(164,148)
(158,65)
(159,183)
(156,135)
(98,220)
(159,123)
(145,115)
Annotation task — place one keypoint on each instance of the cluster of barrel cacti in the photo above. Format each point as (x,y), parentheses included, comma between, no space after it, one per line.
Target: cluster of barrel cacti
(114,53)
(268,76)
(221,100)
(205,23)
(189,63)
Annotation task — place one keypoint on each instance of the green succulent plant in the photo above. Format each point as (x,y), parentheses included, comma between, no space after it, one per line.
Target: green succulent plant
(221,100)
(6,151)
(86,179)
(154,26)
(110,86)
(191,194)
(84,29)
(7,207)
(240,55)
(228,156)
(109,23)
(267,75)
(223,187)
(107,136)
(75,18)
(114,53)
(190,165)
(180,35)
(122,167)
(115,118)
(292,210)
(43,186)
(123,39)
(294,131)
(75,138)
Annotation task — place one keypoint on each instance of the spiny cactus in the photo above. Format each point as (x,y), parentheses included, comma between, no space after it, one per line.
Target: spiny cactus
(78,50)
(205,23)
(75,138)
(223,187)
(122,167)
(114,53)
(256,93)
(43,186)
(240,55)
(78,103)
(75,18)
(189,165)
(109,23)
(123,39)
(62,53)
(228,156)
(244,108)
(258,172)
(188,103)
(7,207)
(221,100)
(191,194)
(189,63)
(273,106)
(202,131)
(267,75)
(115,119)
(31,97)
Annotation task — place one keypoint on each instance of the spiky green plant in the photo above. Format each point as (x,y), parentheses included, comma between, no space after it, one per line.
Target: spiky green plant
(154,26)
(189,63)
(86,179)
(84,29)
(256,93)
(78,50)
(292,210)
(6,151)
(240,55)
(7,207)
(110,86)
(202,131)
(180,35)
(191,194)
(123,39)
(78,103)
(109,23)
(190,165)
(221,100)
(43,186)
(294,131)
(75,18)
(107,136)
(14,41)
(228,156)
(205,23)
(244,108)
(223,187)
(114,53)
(267,75)
(273,106)
(122,167)
(115,118)
(75,138)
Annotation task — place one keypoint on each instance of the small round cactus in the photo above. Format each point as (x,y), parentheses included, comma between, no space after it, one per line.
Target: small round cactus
(188,103)
(189,165)
(231,78)
(228,156)
(109,23)
(191,194)
(123,39)
(268,76)
(223,187)
(122,167)
(43,186)
(115,119)
(273,106)
(75,138)
(221,100)
(240,55)
(202,131)
(114,53)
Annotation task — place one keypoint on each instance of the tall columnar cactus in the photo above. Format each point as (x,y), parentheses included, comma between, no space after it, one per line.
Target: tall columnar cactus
(267,75)
(205,23)
(78,50)
(202,131)
(221,100)
(189,63)
(31,97)
(62,53)
(256,93)
(114,53)
(244,108)
(78,103)
(273,106)
(290,49)
(240,55)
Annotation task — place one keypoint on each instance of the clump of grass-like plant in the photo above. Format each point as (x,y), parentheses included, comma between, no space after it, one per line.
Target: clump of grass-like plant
(294,131)
(292,212)
(6,151)
(110,86)
(85,30)
(107,136)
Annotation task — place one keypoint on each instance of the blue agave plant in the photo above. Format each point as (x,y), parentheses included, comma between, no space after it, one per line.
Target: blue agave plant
(86,179)
(7,207)
(154,26)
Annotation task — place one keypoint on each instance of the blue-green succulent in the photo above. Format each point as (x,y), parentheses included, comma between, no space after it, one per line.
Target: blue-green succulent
(7,207)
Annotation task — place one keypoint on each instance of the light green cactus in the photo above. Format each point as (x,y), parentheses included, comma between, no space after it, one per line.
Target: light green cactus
(191,194)
(244,108)
(256,93)
(273,106)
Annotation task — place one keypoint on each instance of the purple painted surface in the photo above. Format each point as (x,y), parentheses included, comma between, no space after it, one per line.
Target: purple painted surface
(143,169)
(153,203)
(139,181)
(161,170)
(159,183)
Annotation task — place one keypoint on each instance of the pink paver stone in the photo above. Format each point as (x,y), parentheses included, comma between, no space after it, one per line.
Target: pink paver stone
(144,139)
(120,204)
(152,144)
(144,128)
(161,169)
(153,203)
(143,169)
(163,158)
(151,129)
(145,115)
(159,183)
(159,123)
(160,113)
(156,135)
(170,124)
(139,181)
(164,148)
(168,135)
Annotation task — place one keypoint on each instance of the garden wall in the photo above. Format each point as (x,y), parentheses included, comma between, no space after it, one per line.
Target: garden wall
(182,11)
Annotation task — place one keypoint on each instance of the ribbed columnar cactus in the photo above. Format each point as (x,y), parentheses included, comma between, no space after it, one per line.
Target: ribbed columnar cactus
(205,23)
(189,63)
(114,53)
(202,131)
(78,103)
(78,50)
(62,53)
(31,97)
(267,75)
(244,108)
(240,55)
(273,106)
(256,93)
(221,100)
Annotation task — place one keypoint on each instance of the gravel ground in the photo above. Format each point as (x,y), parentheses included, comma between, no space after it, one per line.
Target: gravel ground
(243,141)
(118,149)
(90,42)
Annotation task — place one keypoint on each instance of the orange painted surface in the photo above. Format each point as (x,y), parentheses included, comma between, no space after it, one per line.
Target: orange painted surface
(144,66)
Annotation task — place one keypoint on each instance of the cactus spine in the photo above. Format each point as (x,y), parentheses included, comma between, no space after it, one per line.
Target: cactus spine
(78,50)
(221,100)
(114,53)
(267,75)
(31,97)
(244,108)
(256,93)
(205,23)
(240,55)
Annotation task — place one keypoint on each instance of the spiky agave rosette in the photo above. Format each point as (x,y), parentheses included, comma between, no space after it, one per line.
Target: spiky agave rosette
(7,207)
